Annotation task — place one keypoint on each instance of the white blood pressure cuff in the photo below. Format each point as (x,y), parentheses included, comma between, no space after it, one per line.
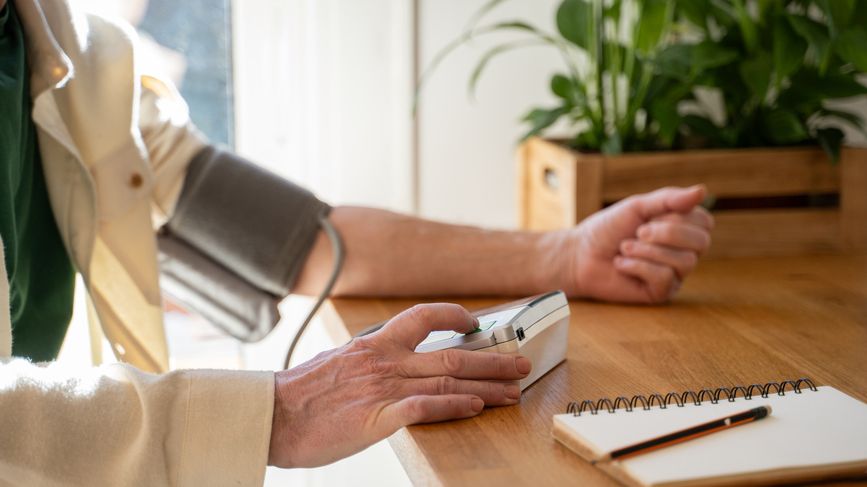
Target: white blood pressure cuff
(236,242)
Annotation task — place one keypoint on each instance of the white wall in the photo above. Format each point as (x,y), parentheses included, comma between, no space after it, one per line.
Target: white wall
(467,148)
(323,95)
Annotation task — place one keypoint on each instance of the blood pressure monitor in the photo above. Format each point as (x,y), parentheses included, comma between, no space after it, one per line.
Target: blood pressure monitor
(536,327)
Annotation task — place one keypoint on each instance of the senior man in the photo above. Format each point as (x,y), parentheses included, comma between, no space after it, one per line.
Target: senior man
(96,155)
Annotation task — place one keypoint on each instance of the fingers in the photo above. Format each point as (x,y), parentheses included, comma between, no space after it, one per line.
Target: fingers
(660,281)
(668,200)
(492,393)
(430,409)
(465,364)
(412,326)
(682,261)
(681,236)
(698,217)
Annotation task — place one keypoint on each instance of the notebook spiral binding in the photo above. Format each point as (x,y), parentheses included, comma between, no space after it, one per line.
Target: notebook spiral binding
(646,402)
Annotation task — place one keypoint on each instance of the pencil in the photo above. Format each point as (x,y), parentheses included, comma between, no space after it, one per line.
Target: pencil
(690,433)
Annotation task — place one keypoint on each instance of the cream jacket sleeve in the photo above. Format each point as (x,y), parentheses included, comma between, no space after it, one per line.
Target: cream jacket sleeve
(116,425)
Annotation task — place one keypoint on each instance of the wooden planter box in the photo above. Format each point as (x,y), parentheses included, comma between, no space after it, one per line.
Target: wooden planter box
(783,201)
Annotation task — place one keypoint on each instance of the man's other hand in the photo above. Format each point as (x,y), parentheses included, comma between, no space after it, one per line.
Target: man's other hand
(638,250)
(346,399)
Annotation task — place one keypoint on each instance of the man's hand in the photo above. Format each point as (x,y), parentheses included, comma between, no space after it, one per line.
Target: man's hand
(346,399)
(638,250)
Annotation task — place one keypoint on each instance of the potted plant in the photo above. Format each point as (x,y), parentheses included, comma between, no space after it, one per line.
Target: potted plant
(731,93)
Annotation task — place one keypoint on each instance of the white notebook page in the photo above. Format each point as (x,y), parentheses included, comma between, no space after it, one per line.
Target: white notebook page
(807,429)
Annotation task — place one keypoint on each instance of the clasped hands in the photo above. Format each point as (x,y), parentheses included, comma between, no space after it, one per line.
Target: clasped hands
(343,400)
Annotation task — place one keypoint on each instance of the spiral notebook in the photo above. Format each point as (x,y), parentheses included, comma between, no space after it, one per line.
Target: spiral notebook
(813,433)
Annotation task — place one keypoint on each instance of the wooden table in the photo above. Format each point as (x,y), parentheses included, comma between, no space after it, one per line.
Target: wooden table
(734,322)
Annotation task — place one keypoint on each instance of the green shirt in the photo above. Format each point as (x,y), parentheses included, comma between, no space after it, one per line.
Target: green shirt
(41,276)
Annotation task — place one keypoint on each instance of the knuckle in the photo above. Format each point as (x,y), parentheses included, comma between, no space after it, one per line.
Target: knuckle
(362,357)
(632,202)
(419,312)
(658,289)
(452,362)
(359,344)
(416,409)
(632,247)
(379,365)
(503,365)
(651,251)
(454,311)
(445,385)
(666,232)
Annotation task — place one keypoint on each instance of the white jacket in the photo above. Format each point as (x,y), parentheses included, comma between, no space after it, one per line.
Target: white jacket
(115,144)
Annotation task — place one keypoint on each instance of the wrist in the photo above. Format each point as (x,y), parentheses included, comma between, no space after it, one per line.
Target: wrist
(556,261)
(277,452)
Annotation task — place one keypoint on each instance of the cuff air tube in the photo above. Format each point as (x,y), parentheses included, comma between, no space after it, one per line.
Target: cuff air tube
(237,241)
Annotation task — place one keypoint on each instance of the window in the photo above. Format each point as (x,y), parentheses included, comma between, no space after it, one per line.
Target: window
(197,33)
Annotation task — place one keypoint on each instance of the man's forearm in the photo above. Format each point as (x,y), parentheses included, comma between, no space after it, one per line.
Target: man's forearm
(391,254)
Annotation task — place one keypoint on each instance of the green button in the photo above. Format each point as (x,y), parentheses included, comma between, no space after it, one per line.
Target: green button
(482,327)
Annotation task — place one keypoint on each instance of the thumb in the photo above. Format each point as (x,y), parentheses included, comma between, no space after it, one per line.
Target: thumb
(412,326)
(669,200)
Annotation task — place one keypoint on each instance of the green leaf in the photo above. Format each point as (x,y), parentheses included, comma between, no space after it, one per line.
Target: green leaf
(569,89)
(675,61)
(859,16)
(839,13)
(784,127)
(695,11)
(789,49)
(613,10)
(723,14)
(712,55)
(664,112)
(684,61)
(817,37)
(766,7)
(808,87)
(652,23)
(702,127)
(831,140)
(511,25)
(587,140)
(749,30)
(541,118)
(575,22)
(561,86)
(756,74)
(851,45)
